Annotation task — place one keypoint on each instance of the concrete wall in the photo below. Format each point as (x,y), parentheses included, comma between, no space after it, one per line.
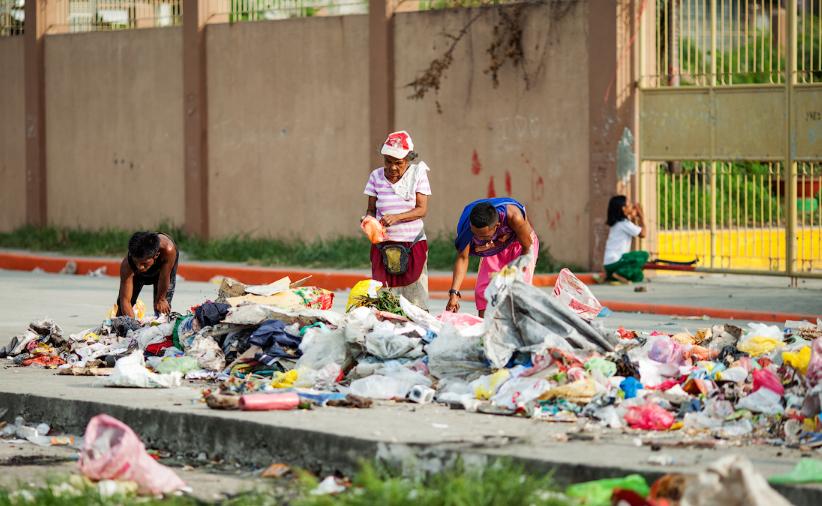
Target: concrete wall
(12,135)
(288,126)
(114,123)
(526,141)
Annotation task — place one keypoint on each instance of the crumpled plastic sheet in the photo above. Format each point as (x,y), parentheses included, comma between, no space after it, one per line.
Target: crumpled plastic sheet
(529,319)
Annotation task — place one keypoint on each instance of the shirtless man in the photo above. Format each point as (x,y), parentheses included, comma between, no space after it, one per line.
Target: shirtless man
(151,260)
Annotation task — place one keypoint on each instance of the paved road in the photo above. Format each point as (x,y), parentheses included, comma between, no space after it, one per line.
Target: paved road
(80,302)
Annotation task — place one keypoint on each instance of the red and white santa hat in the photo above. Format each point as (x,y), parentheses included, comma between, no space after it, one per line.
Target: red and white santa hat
(397,145)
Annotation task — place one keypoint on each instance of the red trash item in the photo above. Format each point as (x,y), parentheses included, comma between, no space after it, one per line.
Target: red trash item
(764,378)
(814,374)
(269,402)
(374,230)
(158,349)
(112,451)
(575,294)
(649,417)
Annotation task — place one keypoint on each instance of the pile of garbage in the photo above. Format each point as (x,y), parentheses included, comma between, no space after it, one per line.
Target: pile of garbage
(536,354)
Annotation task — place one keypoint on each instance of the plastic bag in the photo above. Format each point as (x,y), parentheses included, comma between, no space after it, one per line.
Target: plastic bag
(181,365)
(207,352)
(380,387)
(598,492)
(761,339)
(485,387)
(762,401)
(374,230)
(575,294)
(630,386)
(453,355)
(520,391)
(806,471)
(459,320)
(666,351)
(139,310)
(649,417)
(364,288)
(384,342)
(799,360)
(112,451)
(153,334)
(321,347)
(814,374)
(130,371)
(763,378)
(602,366)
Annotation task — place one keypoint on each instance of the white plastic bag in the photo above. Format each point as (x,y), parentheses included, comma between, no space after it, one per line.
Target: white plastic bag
(575,294)
(380,387)
(130,371)
(153,334)
(519,391)
(207,352)
(321,347)
(455,355)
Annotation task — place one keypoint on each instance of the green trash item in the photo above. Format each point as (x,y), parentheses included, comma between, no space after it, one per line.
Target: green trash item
(598,492)
(182,365)
(806,471)
(606,367)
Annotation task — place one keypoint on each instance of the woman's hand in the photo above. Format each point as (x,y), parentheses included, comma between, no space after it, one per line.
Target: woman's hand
(390,219)
(453,303)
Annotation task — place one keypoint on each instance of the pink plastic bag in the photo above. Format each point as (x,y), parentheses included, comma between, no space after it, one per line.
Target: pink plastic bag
(649,417)
(764,378)
(575,294)
(374,230)
(666,351)
(270,402)
(814,374)
(459,320)
(112,451)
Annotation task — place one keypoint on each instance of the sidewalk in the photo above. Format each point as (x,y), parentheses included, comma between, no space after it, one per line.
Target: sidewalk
(335,439)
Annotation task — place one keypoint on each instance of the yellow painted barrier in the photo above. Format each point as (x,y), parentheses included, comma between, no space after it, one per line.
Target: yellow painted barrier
(762,249)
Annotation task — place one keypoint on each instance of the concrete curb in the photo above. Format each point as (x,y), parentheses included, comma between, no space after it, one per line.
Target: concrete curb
(256,444)
(250,275)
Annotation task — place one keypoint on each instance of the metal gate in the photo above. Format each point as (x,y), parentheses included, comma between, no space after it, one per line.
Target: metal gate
(730,133)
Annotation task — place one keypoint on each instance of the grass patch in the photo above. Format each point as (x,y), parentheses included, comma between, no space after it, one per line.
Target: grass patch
(340,253)
(498,484)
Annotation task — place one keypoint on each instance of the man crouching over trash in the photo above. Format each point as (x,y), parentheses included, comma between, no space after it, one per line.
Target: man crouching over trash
(151,260)
(498,231)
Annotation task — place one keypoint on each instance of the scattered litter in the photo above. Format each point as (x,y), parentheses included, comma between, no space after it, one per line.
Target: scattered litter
(112,451)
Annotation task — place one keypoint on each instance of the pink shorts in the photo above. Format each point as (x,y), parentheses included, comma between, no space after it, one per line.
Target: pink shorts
(491,265)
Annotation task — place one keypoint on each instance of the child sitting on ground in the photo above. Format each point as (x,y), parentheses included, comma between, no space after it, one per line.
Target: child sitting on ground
(626,221)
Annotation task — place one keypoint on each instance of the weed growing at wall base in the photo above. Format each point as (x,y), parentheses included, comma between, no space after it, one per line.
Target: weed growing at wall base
(339,253)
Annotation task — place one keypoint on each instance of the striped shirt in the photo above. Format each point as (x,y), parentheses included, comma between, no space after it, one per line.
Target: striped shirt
(388,202)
